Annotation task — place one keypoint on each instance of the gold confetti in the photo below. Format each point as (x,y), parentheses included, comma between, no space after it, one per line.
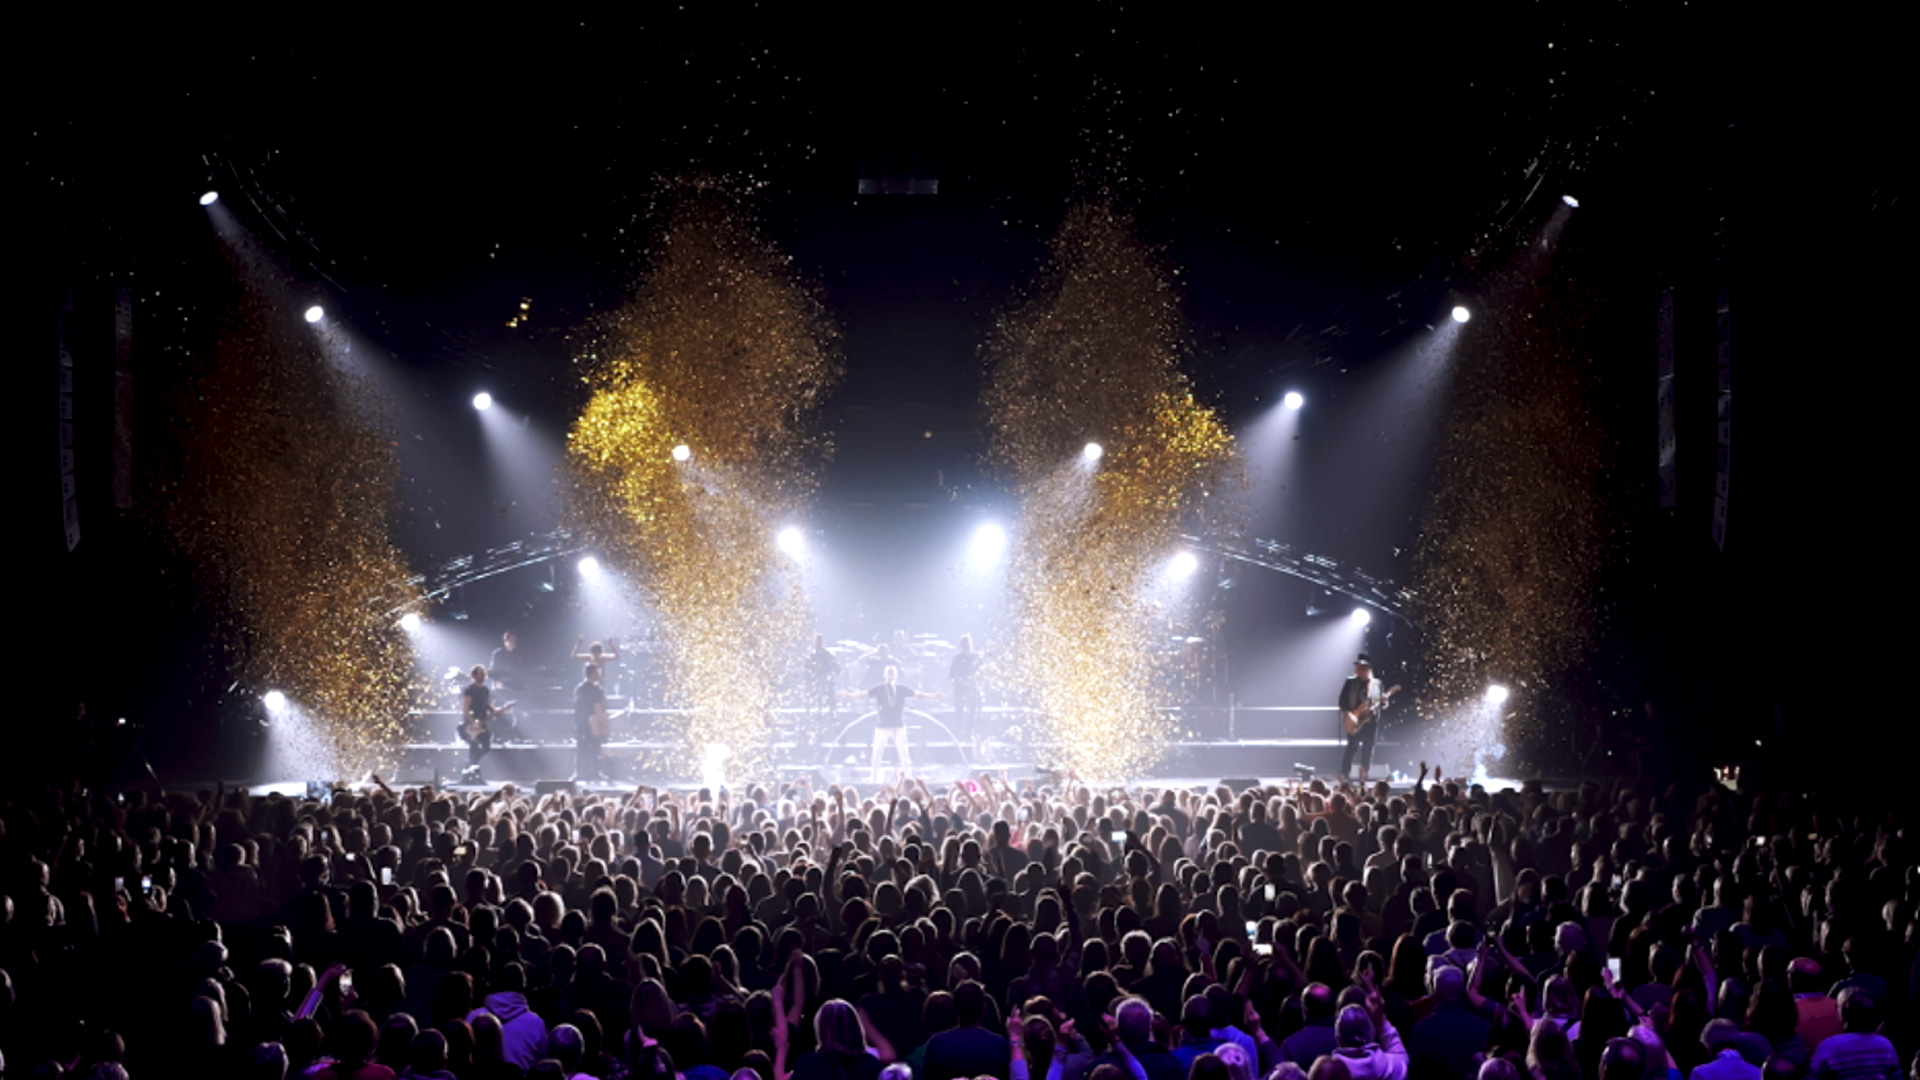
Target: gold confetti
(1513,538)
(280,487)
(721,349)
(1094,357)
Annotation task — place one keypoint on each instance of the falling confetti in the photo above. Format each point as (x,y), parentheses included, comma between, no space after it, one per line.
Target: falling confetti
(1513,540)
(723,351)
(281,489)
(1093,357)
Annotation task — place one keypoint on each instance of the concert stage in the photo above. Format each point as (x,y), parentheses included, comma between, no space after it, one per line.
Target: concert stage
(1237,741)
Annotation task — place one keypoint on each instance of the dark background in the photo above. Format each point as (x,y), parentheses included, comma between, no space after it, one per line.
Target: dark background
(1327,184)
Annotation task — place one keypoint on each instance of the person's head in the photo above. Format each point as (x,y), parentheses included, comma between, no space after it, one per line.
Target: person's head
(353,1039)
(969,1002)
(510,639)
(1858,1010)
(427,1052)
(836,1028)
(892,674)
(1238,1064)
(1330,1067)
(1719,1034)
(1448,981)
(1317,1000)
(479,673)
(566,1045)
(1623,1059)
(1133,1020)
(267,1062)
(1498,1068)
(1354,1028)
(1362,667)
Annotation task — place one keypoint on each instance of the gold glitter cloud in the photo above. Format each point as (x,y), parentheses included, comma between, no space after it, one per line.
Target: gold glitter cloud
(721,349)
(280,487)
(1094,356)
(1514,536)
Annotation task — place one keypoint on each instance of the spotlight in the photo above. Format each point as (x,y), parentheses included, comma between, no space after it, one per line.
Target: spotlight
(1092,452)
(1570,201)
(989,541)
(1360,617)
(1461,314)
(483,401)
(276,701)
(792,541)
(1184,564)
(682,452)
(589,568)
(410,621)
(1293,400)
(316,313)
(209,198)
(1496,694)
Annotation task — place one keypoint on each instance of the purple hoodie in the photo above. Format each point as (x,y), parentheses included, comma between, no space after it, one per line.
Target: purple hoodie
(523,1035)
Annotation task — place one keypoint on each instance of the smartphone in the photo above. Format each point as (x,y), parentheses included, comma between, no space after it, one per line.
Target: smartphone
(120,797)
(119,885)
(460,851)
(1253,927)
(146,884)
(1613,968)
(351,857)
(386,875)
(1263,948)
(1118,836)
(346,984)
(1270,890)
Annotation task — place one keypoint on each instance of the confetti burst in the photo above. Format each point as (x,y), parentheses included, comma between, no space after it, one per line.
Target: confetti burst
(1094,356)
(280,488)
(1513,539)
(721,349)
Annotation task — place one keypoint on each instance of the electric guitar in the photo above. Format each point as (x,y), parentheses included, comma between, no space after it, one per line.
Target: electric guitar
(1354,719)
(476,726)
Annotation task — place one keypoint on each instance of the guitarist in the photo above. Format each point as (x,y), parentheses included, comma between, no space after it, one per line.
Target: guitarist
(477,713)
(589,725)
(1360,696)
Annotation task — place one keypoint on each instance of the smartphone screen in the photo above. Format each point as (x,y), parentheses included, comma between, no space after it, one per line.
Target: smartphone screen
(146,883)
(386,875)
(1117,836)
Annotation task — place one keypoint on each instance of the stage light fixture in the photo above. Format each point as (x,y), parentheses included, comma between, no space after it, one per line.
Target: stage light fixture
(1461,314)
(1184,564)
(589,568)
(1570,201)
(1092,452)
(1293,400)
(209,198)
(483,401)
(410,621)
(1497,694)
(1360,617)
(792,541)
(989,540)
(682,452)
(275,701)
(316,313)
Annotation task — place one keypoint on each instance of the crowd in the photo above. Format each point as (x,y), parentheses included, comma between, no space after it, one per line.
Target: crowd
(1054,931)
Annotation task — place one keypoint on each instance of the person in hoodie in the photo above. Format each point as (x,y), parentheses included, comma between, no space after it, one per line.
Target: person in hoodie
(523,1035)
